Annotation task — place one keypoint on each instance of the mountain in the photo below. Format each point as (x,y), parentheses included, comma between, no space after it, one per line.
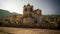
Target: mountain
(4,13)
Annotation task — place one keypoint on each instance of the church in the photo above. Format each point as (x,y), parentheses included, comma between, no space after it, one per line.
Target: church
(31,16)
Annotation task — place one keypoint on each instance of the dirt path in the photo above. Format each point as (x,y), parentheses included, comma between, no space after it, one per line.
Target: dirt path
(9,30)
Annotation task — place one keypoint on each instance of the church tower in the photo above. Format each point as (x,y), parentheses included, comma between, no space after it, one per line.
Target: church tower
(38,12)
(27,13)
(27,9)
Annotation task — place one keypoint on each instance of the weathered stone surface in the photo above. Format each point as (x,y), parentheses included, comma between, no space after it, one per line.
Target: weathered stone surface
(28,20)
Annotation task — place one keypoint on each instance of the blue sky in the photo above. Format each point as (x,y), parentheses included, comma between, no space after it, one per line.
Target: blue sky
(47,6)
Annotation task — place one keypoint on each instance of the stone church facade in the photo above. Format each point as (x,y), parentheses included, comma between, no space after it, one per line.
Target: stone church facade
(31,16)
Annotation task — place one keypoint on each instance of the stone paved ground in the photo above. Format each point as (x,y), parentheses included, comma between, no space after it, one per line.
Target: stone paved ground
(10,30)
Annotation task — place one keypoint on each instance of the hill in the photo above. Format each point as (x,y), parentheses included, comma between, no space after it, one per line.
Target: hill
(3,13)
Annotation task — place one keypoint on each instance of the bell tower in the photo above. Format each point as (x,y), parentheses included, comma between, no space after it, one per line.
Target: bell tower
(38,11)
(27,9)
